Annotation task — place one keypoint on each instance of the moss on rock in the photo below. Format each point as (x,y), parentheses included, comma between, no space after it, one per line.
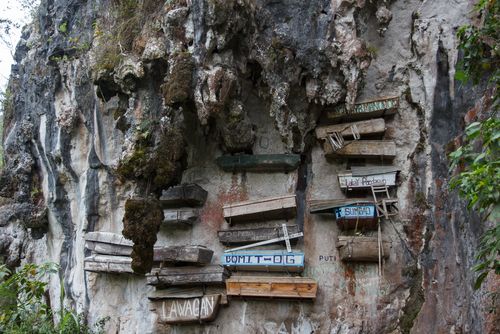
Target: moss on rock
(177,88)
(141,223)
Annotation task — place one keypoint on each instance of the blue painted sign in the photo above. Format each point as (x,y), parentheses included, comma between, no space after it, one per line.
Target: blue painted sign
(264,261)
(355,212)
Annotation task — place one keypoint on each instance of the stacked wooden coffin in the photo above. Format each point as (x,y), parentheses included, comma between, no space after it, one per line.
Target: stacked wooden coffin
(181,205)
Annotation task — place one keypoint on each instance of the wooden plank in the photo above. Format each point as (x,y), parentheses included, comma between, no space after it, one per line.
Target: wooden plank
(191,195)
(182,311)
(175,276)
(185,292)
(264,261)
(183,254)
(259,162)
(362,249)
(373,170)
(350,182)
(272,287)
(108,264)
(366,109)
(367,127)
(282,207)
(363,149)
(180,216)
(246,236)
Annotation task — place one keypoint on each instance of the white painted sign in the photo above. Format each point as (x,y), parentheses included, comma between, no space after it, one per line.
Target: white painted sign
(174,311)
(349,181)
(264,260)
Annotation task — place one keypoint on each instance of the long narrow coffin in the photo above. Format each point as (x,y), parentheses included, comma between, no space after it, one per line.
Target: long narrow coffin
(259,162)
(272,287)
(264,261)
(283,207)
(108,243)
(198,255)
(362,249)
(349,213)
(174,217)
(174,276)
(368,109)
(364,128)
(364,177)
(186,310)
(362,149)
(108,264)
(191,195)
(248,236)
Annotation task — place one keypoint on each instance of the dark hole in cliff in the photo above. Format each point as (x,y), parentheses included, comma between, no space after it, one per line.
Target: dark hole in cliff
(141,223)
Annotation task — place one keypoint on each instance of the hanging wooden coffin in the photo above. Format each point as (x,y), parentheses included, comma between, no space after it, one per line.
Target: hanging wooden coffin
(174,217)
(362,149)
(259,162)
(272,287)
(264,261)
(108,264)
(186,310)
(365,177)
(173,276)
(362,249)
(108,243)
(362,216)
(196,255)
(282,207)
(247,236)
(368,109)
(191,195)
(363,128)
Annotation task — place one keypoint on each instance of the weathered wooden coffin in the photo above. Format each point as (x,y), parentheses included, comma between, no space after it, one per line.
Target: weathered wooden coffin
(175,217)
(367,127)
(349,213)
(108,264)
(282,207)
(362,249)
(264,261)
(259,162)
(174,276)
(108,243)
(368,109)
(191,195)
(272,287)
(248,236)
(186,310)
(199,255)
(385,149)
(364,177)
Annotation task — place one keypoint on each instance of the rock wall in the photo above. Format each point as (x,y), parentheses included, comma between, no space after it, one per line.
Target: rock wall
(121,99)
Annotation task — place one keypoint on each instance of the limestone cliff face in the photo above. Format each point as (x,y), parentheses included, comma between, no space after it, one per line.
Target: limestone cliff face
(121,99)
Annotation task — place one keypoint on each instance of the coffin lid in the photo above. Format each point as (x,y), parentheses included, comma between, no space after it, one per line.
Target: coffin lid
(373,170)
(317,206)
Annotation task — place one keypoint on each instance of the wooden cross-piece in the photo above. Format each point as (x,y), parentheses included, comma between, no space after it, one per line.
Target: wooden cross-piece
(286,237)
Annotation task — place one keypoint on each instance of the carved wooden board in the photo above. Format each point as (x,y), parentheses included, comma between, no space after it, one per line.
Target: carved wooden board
(362,249)
(187,310)
(368,127)
(174,276)
(191,195)
(262,209)
(368,109)
(348,181)
(264,261)
(108,264)
(259,162)
(247,236)
(180,216)
(272,287)
(183,254)
(363,149)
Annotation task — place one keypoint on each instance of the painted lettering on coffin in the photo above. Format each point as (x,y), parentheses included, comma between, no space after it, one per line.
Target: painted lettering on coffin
(263,259)
(355,211)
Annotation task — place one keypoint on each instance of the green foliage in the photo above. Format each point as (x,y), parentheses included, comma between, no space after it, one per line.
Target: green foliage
(63,28)
(479,156)
(23,308)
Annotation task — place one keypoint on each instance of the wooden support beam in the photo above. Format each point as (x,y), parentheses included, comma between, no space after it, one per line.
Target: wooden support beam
(363,149)
(259,162)
(245,236)
(175,276)
(191,195)
(361,249)
(272,287)
(282,207)
(186,310)
(367,127)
